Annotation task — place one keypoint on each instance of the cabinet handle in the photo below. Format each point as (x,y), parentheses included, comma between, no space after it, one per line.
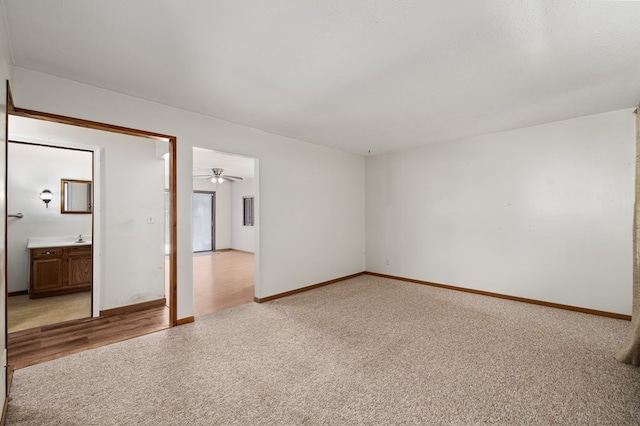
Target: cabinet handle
(48,252)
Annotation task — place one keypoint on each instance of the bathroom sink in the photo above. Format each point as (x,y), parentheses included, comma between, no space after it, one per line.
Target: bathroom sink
(57,242)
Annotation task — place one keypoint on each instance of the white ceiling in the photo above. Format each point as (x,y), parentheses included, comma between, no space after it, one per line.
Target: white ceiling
(234,165)
(357,75)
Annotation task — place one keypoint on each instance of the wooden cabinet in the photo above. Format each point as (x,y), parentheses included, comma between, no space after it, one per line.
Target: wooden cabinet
(79,266)
(60,270)
(46,270)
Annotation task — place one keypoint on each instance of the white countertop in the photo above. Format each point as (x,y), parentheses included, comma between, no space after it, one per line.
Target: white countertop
(57,242)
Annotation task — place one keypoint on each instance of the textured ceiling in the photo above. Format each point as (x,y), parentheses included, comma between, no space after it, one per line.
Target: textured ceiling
(358,75)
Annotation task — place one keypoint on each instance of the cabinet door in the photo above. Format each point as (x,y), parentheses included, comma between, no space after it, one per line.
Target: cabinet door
(79,268)
(46,274)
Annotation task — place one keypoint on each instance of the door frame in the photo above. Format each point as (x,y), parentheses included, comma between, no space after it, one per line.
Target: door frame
(173,198)
(94,156)
(213,220)
(7,379)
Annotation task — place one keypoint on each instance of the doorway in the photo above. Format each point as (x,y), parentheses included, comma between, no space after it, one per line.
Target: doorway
(122,147)
(52,342)
(49,253)
(224,243)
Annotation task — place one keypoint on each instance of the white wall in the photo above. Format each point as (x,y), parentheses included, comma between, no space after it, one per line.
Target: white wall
(129,185)
(242,237)
(542,212)
(31,169)
(310,202)
(223,210)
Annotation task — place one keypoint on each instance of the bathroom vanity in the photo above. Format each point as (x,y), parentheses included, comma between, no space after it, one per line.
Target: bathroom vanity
(64,267)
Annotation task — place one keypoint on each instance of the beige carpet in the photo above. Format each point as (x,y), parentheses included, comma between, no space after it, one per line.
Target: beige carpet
(23,313)
(365,351)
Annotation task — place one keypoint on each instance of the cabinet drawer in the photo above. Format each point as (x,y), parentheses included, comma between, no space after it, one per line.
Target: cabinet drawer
(46,252)
(79,250)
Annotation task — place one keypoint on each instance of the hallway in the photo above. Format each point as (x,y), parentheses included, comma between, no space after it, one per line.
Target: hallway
(221,280)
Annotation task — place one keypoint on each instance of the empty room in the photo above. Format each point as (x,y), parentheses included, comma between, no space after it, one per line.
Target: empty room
(437,212)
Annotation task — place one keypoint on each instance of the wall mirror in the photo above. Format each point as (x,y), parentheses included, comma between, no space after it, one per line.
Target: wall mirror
(75,196)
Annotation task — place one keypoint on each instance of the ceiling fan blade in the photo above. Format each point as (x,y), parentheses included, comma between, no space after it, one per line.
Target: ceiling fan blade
(233,177)
(202,176)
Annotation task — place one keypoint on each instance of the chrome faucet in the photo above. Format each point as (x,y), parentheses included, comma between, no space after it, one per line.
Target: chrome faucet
(80,240)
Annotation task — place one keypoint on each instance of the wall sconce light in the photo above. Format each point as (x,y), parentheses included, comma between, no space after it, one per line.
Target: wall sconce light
(46,196)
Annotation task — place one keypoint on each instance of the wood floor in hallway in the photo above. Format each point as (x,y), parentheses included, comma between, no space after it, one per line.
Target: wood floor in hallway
(221,280)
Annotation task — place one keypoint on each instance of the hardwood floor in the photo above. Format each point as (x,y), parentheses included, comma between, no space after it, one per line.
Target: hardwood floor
(39,344)
(221,280)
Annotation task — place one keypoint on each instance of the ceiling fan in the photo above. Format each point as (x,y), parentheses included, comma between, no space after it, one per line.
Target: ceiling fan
(217,176)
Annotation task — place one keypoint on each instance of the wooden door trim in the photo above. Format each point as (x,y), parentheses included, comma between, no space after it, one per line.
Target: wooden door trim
(173,199)
(9,107)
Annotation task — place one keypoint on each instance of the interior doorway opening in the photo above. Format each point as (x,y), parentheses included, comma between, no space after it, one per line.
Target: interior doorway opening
(128,325)
(224,242)
(51,281)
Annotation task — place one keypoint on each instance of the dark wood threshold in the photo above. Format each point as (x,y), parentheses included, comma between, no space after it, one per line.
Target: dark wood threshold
(221,250)
(507,297)
(134,308)
(40,344)
(18,293)
(186,320)
(307,288)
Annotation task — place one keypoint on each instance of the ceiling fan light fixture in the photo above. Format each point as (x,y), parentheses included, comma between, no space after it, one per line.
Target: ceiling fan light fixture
(218,177)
